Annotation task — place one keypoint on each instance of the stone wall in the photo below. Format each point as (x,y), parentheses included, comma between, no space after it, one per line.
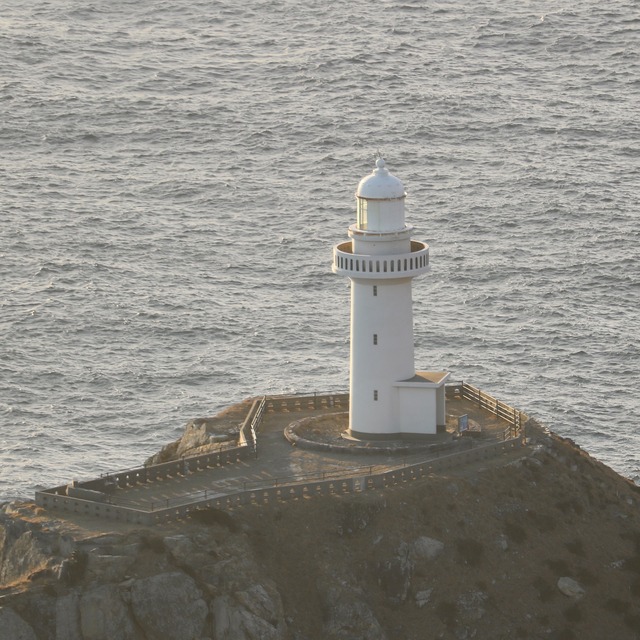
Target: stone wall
(273,494)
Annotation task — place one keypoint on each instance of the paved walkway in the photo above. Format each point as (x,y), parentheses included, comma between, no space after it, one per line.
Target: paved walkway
(279,462)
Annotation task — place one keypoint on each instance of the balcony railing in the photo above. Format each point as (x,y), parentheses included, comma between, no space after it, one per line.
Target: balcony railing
(401,265)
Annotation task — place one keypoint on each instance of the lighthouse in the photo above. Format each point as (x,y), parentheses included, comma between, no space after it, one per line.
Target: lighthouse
(387,397)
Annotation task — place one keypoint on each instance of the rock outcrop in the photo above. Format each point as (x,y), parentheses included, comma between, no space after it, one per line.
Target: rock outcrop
(545,545)
(203,435)
(13,627)
(169,606)
(133,585)
(104,614)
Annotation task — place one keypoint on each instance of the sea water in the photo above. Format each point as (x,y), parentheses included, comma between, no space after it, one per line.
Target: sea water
(174,175)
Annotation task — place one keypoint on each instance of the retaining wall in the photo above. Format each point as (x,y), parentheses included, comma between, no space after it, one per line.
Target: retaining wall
(58,500)
(274,494)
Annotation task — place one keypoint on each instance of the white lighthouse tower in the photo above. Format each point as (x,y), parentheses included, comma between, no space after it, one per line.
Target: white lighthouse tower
(388,398)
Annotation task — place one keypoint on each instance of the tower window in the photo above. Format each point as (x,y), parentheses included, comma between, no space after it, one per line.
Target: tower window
(375,395)
(375,338)
(361,214)
(375,289)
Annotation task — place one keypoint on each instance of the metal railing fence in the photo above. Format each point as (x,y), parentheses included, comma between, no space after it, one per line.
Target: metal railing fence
(351,479)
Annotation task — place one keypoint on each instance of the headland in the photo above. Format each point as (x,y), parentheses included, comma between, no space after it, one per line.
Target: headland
(537,541)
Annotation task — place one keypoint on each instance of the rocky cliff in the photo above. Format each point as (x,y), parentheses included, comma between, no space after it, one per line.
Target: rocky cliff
(544,546)
(204,435)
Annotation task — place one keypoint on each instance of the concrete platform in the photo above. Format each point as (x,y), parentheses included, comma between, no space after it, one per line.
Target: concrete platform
(278,462)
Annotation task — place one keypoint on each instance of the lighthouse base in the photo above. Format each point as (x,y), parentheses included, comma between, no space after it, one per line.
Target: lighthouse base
(416,409)
(427,438)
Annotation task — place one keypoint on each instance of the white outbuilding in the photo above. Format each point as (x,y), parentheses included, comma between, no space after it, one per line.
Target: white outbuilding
(388,398)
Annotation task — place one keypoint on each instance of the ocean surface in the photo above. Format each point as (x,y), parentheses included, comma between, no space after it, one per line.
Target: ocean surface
(173,176)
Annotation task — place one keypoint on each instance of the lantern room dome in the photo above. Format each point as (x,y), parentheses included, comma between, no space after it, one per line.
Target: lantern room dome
(380,184)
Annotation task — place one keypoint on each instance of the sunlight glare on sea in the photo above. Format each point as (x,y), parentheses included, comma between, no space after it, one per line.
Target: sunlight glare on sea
(175,176)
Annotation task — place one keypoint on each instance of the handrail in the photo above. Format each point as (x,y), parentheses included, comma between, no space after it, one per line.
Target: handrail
(321,476)
(177,508)
(514,417)
(251,424)
(221,446)
(118,507)
(202,498)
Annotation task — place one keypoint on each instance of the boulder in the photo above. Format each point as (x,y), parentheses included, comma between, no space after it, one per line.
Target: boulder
(27,548)
(234,573)
(347,615)
(104,615)
(108,568)
(195,436)
(352,620)
(471,605)
(21,551)
(39,610)
(169,606)
(359,512)
(13,627)
(423,597)
(198,560)
(394,575)
(502,542)
(425,548)
(234,621)
(167,453)
(180,546)
(205,434)
(264,602)
(68,617)
(570,588)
